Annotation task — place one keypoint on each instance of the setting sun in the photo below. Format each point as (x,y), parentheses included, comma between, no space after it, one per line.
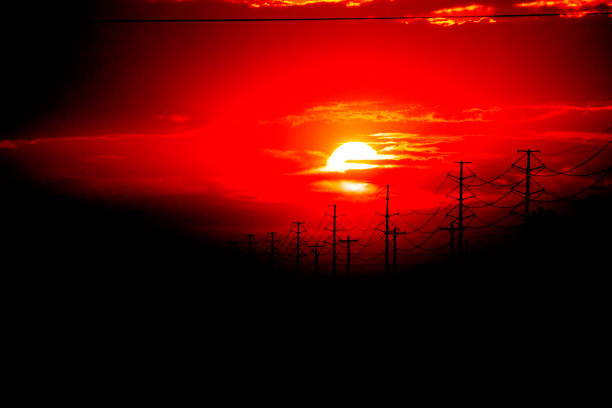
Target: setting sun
(340,159)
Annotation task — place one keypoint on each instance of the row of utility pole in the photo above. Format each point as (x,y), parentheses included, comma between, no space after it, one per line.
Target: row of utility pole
(456,227)
(527,194)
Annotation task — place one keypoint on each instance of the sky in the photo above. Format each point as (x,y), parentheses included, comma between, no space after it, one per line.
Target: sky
(226,127)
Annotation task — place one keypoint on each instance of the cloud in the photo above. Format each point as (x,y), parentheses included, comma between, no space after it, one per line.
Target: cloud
(533,113)
(375,112)
(7,144)
(104,137)
(569,8)
(553,110)
(384,112)
(175,117)
(413,147)
(343,186)
(466,10)
(283,154)
(397,150)
(474,13)
(293,3)
(347,111)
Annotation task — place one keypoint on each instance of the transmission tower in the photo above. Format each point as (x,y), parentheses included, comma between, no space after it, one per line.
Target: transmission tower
(387,233)
(461,199)
(316,258)
(250,238)
(297,247)
(272,241)
(528,172)
(334,230)
(348,241)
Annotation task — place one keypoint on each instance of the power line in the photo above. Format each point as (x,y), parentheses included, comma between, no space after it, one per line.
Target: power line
(582,163)
(314,19)
(575,147)
(557,198)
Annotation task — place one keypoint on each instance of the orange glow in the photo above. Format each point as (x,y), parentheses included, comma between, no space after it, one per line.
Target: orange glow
(343,186)
(448,22)
(570,8)
(473,9)
(243,127)
(563,3)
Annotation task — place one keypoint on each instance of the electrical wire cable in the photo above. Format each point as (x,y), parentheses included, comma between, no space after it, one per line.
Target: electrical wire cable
(582,163)
(490,181)
(568,197)
(493,203)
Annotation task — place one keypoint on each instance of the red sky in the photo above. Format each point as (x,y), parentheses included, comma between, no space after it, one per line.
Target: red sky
(223,125)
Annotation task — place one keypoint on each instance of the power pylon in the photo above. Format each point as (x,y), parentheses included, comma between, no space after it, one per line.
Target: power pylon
(250,238)
(348,241)
(297,247)
(528,172)
(452,230)
(316,258)
(387,236)
(387,233)
(272,241)
(461,199)
(395,233)
(334,230)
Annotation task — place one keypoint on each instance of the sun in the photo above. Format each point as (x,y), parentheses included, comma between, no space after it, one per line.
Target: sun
(349,152)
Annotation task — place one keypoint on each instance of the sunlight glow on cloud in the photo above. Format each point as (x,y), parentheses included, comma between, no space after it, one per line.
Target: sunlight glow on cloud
(449,22)
(291,3)
(470,10)
(343,186)
(376,112)
(570,8)
(409,146)
(348,111)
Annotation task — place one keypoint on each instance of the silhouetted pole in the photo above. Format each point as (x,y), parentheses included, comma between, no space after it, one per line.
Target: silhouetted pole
(348,241)
(395,233)
(316,258)
(387,236)
(461,227)
(272,241)
(334,242)
(452,230)
(528,171)
(250,237)
(297,259)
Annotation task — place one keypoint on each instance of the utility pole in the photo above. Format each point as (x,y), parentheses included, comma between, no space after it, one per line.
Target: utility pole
(316,258)
(452,230)
(387,236)
(461,199)
(272,241)
(250,237)
(395,233)
(528,171)
(387,233)
(297,259)
(334,242)
(348,241)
